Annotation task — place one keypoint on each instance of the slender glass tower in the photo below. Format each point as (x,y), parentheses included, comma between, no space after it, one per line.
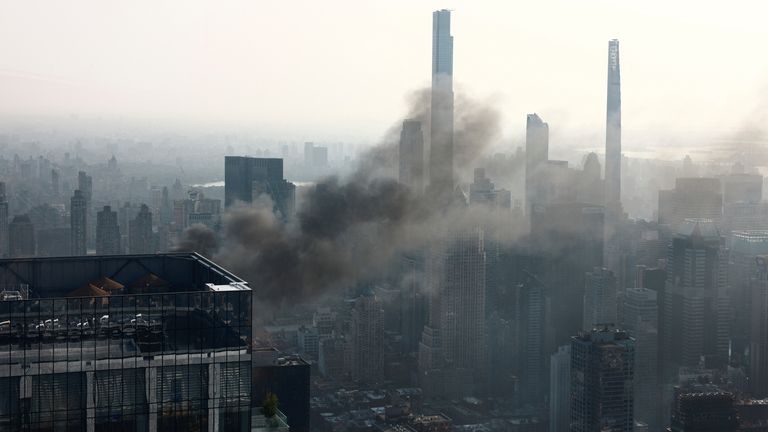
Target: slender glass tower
(613,162)
(613,131)
(441,129)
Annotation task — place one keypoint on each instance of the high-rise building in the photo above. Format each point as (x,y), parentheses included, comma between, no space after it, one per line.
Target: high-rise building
(759,330)
(166,208)
(411,156)
(483,192)
(703,412)
(85,185)
(613,131)
(288,377)
(602,378)
(454,338)
(441,181)
(570,238)
(696,309)
(745,249)
(613,209)
(744,188)
(107,232)
(590,184)
(246,178)
(691,198)
(331,353)
(55,183)
(367,339)
(560,390)
(189,362)
(78,223)
(413,310)
(54,242)
(745,216)
(530,324)
(4,248)
(315,156)
(536,157)
(640,319)
(140,236)
(21,237)
(600,296)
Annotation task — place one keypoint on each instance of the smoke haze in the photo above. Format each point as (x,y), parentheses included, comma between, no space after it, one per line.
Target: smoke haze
(349,227)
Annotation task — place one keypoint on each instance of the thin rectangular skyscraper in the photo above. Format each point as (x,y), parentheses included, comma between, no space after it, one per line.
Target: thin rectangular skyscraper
(411,156)
(441,128)
(536,156)
(613,209)
(613,131)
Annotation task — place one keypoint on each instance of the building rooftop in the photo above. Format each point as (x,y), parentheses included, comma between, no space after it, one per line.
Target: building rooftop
(107,307)
(119,274)
(705,228)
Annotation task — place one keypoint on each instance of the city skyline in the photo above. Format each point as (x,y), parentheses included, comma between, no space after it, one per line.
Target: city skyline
(448,278)
(681,112)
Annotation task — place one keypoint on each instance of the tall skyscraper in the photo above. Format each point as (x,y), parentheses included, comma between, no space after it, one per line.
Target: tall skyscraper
(746,248)
(367,339)
(85,185)
(570,238)
(441,179)
(454,339)
(696,316)
(78,217)
(641,316)
(21,237)
(54,183)
(602,376)
(599,298)
(246,178)
(140,238)
(4,249)
(536,156)
(560,390)
(613,131)
(413,311)
(107,232)
(411,156)
(759,330)
(613,210)
(531,324)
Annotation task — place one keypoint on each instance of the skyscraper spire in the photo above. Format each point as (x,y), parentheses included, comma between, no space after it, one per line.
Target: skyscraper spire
(613,131)
(441,128)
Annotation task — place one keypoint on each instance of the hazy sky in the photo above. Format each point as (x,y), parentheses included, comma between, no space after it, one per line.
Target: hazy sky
(341,69)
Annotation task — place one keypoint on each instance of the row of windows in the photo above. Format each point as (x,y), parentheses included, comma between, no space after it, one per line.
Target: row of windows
(59,401)
(122,326)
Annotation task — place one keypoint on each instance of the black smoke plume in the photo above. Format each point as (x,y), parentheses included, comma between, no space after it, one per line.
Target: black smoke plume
(347,229)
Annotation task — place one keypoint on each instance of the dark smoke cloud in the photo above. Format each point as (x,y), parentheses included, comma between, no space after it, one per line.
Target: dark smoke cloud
(349,229)
(198,238)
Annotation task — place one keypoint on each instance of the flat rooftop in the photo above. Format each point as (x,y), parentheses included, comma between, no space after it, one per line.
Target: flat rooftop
(125,306)
(137,274)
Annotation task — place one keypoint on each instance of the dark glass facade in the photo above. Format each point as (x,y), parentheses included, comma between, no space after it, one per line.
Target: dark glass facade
(143,358)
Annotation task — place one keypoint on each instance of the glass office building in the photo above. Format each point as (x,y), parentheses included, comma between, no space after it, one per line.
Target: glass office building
(124,343)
